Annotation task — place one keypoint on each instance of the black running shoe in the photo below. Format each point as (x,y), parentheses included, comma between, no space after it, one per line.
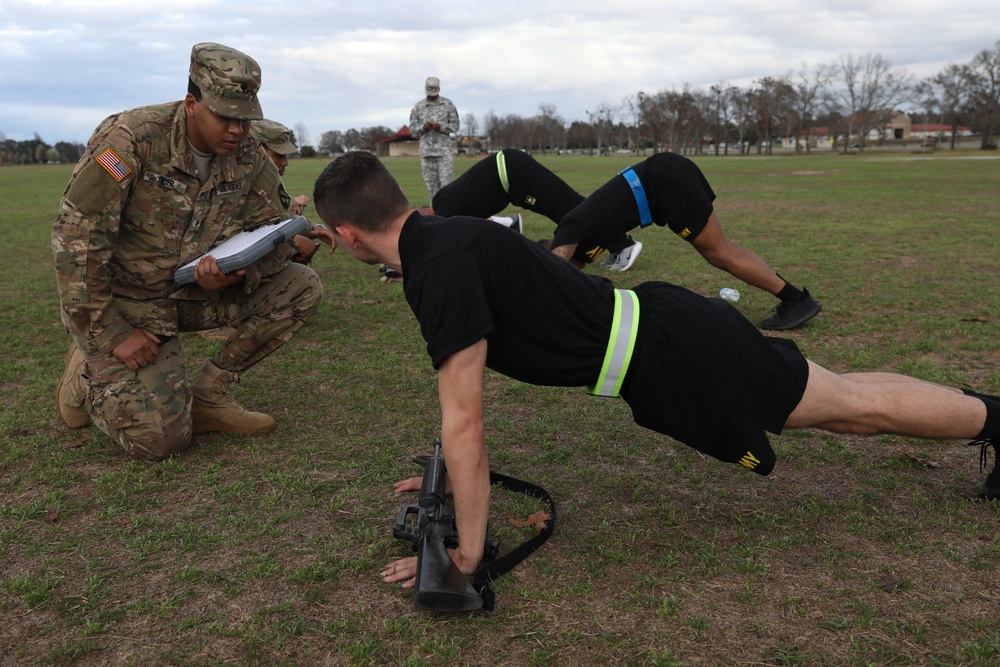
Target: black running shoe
(790,314)
(991,485)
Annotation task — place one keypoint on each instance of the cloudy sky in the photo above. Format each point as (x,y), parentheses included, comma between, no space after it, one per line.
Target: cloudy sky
(337,65)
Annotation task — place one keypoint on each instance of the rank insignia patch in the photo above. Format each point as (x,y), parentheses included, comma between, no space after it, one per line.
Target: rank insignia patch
(114,165)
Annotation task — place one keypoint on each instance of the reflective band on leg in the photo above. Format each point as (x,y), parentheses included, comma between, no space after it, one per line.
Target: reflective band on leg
(502,171)
(621,342)
(645,216)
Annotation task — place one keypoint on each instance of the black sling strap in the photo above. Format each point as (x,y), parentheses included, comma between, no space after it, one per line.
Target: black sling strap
(488,573)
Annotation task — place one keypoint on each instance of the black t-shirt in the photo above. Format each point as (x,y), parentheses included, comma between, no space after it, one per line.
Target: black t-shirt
(466,279)
(701,372)
(679,196)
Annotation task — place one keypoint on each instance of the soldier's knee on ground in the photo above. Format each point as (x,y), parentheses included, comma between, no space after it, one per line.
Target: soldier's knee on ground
(156,444)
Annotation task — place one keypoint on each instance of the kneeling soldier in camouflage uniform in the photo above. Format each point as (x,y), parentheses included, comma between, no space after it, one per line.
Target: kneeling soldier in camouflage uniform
(158,187)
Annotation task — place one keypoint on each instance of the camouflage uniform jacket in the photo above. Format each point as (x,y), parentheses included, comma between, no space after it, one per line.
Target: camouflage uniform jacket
(441,111)
(135,210)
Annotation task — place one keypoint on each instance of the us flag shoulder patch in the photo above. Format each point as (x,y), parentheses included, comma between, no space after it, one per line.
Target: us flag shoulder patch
(114,165)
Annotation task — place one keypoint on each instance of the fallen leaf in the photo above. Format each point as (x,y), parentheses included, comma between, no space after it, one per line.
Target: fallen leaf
(978,318)
(923,462)
(52,515)
(74,444)
(539,521)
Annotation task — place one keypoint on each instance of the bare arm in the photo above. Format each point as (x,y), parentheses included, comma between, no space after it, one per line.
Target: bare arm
(463,441)
(566,252)
(460,389)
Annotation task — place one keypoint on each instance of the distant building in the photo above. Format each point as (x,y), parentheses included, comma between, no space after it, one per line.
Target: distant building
(814,137)
(886,125)
(926,130)
(895,125)
(401,144)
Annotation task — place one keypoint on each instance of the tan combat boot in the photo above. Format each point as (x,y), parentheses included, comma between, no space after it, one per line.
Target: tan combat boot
(71,392)
(213,410)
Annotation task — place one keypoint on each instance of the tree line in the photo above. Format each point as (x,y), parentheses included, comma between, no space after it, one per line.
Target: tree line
(36,151)
(849,98)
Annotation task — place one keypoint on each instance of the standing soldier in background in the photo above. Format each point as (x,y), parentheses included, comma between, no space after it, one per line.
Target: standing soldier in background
(432,120)
(158,187)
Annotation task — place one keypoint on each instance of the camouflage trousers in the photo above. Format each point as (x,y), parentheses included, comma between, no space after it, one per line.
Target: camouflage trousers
(438,171)
(148,411)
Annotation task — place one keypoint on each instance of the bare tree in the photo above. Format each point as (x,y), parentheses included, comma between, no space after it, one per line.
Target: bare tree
(471,125)
(551,128)
(490,127)
(871,90)
(302,135)
(726,112)
(984,75)
(810,90)
(630,106)
(700,117)
(948,91)
(774,105)
(718,90)
(605,122)
(744,105)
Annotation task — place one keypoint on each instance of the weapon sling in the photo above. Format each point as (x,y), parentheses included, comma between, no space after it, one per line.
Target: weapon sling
(491,571)
(486,574)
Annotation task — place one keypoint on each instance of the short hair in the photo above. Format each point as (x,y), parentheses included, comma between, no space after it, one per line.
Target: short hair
(356,188)
(194,90)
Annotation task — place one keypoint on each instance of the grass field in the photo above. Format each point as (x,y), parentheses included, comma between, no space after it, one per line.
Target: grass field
(266,550)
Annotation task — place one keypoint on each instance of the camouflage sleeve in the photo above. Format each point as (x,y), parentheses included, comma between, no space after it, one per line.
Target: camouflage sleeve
(452,123)
(267,203)
(84,236)
(416,122)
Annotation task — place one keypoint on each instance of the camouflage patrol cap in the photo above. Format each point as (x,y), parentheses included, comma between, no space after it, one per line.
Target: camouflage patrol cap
(432,86)
(274,135)
(229,80)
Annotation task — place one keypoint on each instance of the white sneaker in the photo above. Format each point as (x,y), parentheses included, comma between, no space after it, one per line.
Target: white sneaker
(515,222)
(627,257)
(610,260)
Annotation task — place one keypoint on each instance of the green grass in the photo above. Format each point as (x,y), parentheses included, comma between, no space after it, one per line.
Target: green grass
(265,550)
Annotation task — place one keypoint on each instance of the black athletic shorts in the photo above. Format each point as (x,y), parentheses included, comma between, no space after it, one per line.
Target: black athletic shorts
(704,375)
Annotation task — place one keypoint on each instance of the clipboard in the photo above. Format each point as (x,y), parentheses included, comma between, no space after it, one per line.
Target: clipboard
(246,248)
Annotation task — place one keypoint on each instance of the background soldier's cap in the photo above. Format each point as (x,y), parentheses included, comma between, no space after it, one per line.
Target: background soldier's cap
(229,80)
(274,135)
(433,85)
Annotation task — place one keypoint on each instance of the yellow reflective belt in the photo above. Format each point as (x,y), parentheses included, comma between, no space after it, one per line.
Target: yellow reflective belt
(502,170)
(621,342)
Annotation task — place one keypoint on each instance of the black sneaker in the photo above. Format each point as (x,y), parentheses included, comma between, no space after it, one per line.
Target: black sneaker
(790,314)
(991,485)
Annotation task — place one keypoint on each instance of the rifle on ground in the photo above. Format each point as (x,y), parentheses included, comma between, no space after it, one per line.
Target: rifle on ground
(441,586)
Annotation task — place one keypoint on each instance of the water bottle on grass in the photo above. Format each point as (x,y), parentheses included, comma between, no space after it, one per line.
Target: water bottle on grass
(729,294)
